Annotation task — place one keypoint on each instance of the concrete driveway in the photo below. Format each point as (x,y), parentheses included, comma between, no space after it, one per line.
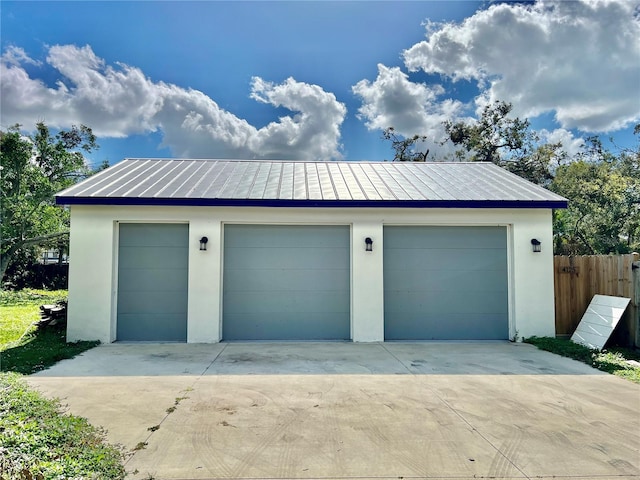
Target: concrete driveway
(346,411)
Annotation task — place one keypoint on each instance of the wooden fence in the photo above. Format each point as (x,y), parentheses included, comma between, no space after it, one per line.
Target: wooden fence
(578,279)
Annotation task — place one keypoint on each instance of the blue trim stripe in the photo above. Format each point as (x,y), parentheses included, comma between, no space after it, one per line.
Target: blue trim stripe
(223,202)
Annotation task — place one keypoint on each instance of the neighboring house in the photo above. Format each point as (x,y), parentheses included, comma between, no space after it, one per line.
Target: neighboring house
(361,251)
(52,256)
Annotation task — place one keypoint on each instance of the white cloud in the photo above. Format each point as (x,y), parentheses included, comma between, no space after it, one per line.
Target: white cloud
(392,100)
(117,101)
(570,144)
(578,59)
(15,55)
(316,127)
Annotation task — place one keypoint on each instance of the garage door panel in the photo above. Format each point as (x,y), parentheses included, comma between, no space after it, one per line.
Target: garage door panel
(143,257)
(169,301)
(152,282)
(443,259)
(285,258)
(270,280)
(458,280)
(157,327)
(310,326)
(438,302)
(447,237)
(286,282)
(284,302)
(446,326)
(288,236)
(445,283)
(166,279)
(149,235)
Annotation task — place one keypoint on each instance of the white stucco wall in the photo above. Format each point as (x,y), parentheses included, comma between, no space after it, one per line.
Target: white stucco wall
(93,262)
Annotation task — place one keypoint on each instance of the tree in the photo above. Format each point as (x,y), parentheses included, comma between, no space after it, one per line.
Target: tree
(507,142)
(494,137)
(540,164)
(404,148)
(603,189)
(33,170)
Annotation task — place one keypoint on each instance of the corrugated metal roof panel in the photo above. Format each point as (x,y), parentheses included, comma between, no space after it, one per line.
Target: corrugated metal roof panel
(313,182)
(170,181)
(214,181)
(381,188)
(260,181)
(183,176)
(334,184)
(197,173)
(273,181)
(431,185)
(111,183)
(392,183)
(355,190)
(510,185)
(326,182)
(365,182)
(402,173)
(339,184)
(299,182)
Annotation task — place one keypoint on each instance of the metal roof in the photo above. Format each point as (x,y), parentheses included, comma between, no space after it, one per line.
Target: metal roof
(308,184)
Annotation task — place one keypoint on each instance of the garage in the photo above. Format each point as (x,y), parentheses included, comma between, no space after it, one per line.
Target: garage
(152,282)
(286,282)
(445,283)
(305,250)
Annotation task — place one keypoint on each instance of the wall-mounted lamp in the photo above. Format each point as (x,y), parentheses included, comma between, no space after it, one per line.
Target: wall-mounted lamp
(203,243)
(368,244)
(535,244)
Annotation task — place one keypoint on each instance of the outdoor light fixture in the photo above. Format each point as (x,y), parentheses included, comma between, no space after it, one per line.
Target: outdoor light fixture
(368,244)
(203,243)
(535,243)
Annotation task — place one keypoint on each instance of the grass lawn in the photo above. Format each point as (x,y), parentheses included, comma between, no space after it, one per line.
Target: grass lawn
(18,311)
(23,347)
(611,360)
(38,441)
(15,321)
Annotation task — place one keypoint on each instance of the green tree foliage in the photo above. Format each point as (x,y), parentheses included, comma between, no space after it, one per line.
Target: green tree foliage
(540,164)
(33,169)
(404,148)
(496,137)
(603,189)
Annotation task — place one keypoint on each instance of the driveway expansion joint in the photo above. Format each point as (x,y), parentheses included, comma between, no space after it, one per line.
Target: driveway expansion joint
(397,359)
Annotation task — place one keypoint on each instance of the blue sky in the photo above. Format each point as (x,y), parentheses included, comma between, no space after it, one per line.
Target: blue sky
(314,80)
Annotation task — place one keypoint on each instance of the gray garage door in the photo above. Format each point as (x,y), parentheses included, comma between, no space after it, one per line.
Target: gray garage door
(152,282)
(445,283)
(286,283)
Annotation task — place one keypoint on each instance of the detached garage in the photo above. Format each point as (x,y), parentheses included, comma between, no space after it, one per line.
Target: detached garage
(228,250)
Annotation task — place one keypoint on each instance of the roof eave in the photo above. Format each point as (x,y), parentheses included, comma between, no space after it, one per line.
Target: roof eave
(223,202)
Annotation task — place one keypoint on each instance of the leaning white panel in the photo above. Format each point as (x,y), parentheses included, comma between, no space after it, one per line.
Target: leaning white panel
(599,321)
